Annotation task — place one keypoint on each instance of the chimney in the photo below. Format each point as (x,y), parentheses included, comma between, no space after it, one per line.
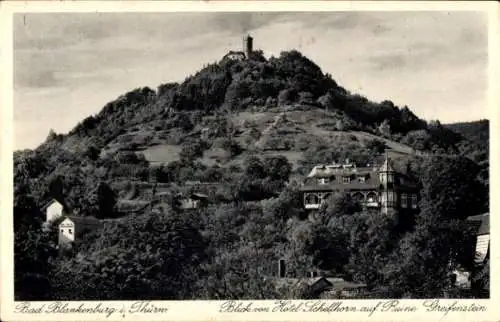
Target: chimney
(281,268)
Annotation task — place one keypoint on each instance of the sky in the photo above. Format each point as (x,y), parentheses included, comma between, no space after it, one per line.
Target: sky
(67,66)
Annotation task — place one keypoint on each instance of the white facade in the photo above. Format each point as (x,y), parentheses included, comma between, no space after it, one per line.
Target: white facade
(483,242)
(66,231)
(54,211)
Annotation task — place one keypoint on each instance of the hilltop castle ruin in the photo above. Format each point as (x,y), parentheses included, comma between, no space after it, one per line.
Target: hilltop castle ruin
(246,53)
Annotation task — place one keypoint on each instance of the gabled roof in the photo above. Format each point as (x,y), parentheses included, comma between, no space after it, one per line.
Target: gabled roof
(50,202)
(480,223)
(198,196)
(331,283)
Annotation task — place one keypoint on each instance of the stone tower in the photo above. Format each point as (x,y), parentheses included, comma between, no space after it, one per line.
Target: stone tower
(248,46)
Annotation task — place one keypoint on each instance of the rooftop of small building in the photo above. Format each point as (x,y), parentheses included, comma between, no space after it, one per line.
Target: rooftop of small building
(350,168)
(49,202)
(481,223)
(333,282)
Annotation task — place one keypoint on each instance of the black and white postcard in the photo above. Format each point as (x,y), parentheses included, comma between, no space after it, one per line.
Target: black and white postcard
(249,161)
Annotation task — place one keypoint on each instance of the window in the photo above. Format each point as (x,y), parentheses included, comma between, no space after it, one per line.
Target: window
(386,177)
(312,199)
(362,179)
(346,179)
(371,197)
(62,231)
(324,180)
(389,198)
(404,200)
(70,231)
(414,201)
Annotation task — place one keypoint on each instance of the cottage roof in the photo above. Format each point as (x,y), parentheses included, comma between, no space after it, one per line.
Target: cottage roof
(199,196)
(330,282)
(480,223)
(232,53)
(341,284)
(50,202)
(369,175)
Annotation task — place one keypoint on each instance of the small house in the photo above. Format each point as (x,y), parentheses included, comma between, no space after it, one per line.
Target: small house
(322,287)
(53,210)
(194,201)
(481,230)
(462,276)
(72,228)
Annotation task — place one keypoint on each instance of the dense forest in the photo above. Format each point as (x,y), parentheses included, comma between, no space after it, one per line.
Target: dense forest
(255,127)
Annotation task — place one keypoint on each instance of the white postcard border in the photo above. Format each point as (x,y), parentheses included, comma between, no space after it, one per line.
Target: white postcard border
(209,310)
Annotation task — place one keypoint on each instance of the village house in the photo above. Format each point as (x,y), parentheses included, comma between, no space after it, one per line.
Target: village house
(193,201)
(377,187)
(72,228)
(481,229)
(53,210)
(318,285)
(479,248)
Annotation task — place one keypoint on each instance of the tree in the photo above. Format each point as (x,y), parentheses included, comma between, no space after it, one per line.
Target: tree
(287,205)
(191,151)
(254,168)
(451,184)
(372,238)
(481,281)
(277,168)
(421,265)
(106,199)
(92,152)
(152,257)
(376,146)
(56,188)
(33,250)
(339,204)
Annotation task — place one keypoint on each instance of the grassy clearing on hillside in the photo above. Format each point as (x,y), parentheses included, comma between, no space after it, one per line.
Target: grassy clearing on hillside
(162,154)
(292,156)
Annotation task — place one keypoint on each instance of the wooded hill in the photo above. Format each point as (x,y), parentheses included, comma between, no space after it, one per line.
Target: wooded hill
(228,111)
(256,127)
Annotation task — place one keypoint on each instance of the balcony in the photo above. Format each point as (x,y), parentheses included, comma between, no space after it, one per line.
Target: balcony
(372,204)
(312,205)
